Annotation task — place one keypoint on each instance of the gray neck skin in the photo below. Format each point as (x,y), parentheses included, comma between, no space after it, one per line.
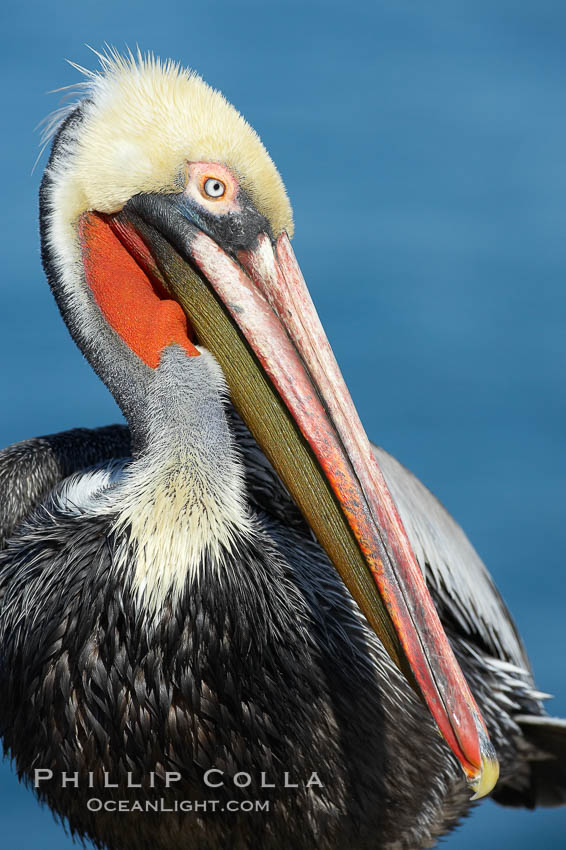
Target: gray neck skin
(182,416)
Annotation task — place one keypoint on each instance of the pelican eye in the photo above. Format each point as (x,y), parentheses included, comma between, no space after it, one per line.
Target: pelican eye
(214,188)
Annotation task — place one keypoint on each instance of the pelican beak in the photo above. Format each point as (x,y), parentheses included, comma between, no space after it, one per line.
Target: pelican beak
(249,305)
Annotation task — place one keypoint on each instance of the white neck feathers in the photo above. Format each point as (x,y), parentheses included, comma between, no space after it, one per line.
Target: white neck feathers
(182,500)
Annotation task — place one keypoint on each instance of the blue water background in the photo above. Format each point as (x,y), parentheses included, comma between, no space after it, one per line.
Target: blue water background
(424,149)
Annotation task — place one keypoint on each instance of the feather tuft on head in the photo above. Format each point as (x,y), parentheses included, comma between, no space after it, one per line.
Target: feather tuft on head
(142,121)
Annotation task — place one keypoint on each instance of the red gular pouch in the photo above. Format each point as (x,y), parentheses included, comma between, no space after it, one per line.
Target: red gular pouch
(131,301)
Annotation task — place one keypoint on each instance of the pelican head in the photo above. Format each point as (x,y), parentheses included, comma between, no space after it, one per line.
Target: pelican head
(166,238)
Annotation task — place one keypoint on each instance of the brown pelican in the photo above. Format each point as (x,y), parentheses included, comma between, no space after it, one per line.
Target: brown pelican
(224,627)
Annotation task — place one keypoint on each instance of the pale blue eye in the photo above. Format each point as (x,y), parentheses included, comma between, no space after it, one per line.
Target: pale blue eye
(214,188)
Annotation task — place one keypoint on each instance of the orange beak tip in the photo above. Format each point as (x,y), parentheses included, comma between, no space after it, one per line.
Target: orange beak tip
(487,779)
(483,780)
